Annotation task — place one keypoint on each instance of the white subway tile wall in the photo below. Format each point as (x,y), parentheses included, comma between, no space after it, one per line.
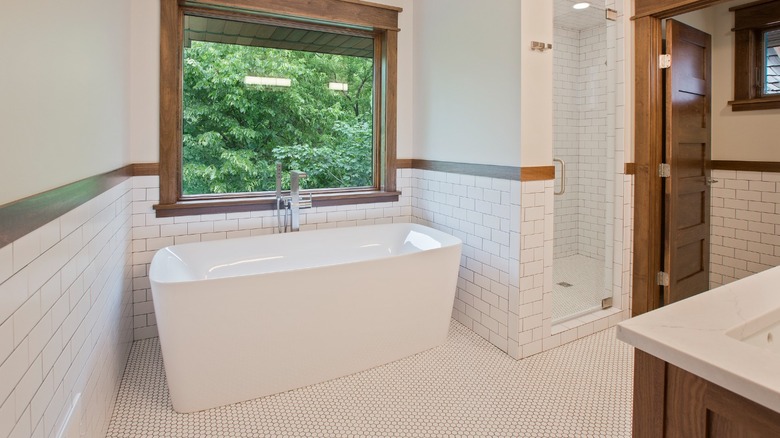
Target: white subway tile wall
(151,233)
(592,178)
(65,319)
(484,213)
(622,250)
(580,138)
(536,262)
(566,132)
(745,224)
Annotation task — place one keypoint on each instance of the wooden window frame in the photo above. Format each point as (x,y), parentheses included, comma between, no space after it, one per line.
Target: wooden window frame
(751,21)
(380,20)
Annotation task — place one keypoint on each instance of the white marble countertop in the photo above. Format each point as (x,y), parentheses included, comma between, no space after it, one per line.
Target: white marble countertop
(701,335)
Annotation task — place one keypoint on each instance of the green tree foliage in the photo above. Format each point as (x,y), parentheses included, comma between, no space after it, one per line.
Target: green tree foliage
(235,133)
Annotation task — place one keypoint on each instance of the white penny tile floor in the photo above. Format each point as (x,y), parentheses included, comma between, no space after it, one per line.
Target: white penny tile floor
(578,286)
(464,388)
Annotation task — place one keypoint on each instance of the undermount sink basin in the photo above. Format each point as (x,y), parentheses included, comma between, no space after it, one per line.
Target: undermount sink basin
(762,332)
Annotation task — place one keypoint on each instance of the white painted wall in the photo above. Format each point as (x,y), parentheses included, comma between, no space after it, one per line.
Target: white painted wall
(744,135)
(536,83)
(405,84)
(145,79)
(467,94)
(703,19)
(63,94)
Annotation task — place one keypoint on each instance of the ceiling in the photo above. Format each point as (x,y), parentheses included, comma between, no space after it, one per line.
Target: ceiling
(570,18)
(217,30)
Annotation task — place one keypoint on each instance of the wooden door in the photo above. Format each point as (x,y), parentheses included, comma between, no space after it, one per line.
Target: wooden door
(687,150)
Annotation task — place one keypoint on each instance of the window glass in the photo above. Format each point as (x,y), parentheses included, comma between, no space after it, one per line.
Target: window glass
(772,50)
(256,94)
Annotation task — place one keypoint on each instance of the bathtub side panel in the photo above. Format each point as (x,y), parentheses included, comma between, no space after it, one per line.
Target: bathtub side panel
(236,339)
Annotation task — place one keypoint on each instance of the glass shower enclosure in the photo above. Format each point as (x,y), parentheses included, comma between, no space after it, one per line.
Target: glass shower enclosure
(584,114)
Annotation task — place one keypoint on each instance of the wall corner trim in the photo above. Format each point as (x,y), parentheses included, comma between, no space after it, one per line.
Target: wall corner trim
(537,173)
(746,166)
(20,217)
(486,170)
(145,169)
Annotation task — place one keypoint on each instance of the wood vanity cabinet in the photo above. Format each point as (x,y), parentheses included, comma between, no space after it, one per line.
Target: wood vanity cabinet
(671,402)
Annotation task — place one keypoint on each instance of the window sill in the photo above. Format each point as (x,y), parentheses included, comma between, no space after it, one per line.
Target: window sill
(758,103)
(238,205)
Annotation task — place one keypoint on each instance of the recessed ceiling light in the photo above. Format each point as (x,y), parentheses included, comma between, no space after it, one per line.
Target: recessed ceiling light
(581,6)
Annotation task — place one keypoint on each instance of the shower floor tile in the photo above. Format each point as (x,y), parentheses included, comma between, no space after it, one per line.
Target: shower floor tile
(585,279)
(465,387)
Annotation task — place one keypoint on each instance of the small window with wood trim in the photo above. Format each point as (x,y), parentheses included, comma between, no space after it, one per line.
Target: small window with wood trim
(244,87)
(771,74)
(757,56)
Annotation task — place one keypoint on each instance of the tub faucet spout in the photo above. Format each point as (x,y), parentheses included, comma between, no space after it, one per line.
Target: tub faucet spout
(296,203)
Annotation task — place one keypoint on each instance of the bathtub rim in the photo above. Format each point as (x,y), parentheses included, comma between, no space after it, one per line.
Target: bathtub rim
(448,241)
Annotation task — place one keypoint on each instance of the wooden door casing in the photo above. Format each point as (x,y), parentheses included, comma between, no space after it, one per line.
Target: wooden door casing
(688,151)
(648,154)
(648,145)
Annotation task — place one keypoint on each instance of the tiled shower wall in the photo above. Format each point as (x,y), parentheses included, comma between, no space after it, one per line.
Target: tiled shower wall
(580,139)
(151,233)
(566,134)
(65,319)
(592,172)
(745,221)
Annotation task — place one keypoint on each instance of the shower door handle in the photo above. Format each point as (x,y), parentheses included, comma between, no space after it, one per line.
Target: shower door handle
(563,176)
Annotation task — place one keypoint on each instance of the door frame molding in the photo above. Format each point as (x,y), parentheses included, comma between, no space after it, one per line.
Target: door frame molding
(649,145)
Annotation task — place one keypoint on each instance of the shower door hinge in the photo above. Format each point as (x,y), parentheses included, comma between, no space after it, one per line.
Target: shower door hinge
(606,303)
(662,279)
(664,170)
(664,61)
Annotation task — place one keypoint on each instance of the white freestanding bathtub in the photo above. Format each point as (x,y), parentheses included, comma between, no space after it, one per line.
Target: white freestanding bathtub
(244,318)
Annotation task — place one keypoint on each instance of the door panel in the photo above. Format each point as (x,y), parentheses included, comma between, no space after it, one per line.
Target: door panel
(690,256)
(687,149)
(689,158)
(691,215)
